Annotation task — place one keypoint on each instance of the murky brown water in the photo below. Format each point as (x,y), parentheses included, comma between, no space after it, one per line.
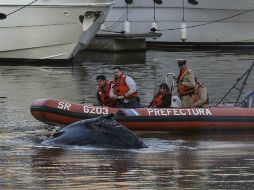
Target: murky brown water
(172,161)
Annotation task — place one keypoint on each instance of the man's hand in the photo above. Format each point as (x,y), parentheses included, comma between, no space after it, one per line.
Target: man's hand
(120,97)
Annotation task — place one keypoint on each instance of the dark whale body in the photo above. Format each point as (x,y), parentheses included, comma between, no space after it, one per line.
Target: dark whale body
(101,131)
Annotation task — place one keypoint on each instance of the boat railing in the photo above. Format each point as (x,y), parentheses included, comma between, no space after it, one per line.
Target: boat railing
(172,75)
(175,100)
(243,79)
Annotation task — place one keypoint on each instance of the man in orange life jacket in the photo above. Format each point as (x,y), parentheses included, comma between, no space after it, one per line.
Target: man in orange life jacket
(124,90)
(185,84)
(103,90)
(200,99)
(163,98)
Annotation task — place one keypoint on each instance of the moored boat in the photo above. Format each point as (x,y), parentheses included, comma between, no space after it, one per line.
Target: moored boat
(46,30)
(53,111)
(206,22)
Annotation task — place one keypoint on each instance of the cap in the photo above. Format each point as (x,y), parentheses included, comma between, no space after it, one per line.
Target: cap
(181,62)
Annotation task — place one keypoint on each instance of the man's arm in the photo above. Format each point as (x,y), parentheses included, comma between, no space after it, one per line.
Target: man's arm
(131,85)
(99,99)
(166,101)
(111,92)
(189,80)
(203,97)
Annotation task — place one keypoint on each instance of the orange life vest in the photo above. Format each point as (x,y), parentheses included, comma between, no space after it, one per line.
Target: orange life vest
(158,100)
(104,94)
(120,88)
(197,96)
(182,89)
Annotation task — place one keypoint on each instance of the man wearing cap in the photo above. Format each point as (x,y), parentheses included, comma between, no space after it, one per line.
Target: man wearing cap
(185,84)
(103,90)
(124,90)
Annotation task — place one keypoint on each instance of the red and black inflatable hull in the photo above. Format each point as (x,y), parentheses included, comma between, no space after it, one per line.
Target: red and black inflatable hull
(147,119)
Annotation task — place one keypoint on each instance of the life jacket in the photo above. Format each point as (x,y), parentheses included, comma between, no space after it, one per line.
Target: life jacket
(182,89)
(104,94)
(120,88)
(197,96)
(158,99)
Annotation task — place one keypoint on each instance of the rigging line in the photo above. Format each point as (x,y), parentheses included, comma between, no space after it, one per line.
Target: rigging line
(113,25)
(116,25)
(110,29)
(117,22)
(207,23)
(21,8)
(183,11)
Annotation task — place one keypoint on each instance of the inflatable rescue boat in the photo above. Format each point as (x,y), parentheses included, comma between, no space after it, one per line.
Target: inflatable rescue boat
(58,112)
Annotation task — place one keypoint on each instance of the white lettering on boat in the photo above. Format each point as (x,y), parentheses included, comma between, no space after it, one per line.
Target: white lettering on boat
(64,105)
(182,112)
(163,112)
(178,112)
(195,112)
(95,110)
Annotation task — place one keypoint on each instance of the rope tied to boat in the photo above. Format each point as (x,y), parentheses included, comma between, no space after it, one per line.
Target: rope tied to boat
(4,16)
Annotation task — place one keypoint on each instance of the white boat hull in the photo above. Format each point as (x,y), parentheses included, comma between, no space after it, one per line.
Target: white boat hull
(169,15)
(48,29)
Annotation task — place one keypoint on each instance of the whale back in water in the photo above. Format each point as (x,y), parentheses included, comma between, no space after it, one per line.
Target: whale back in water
(102,131)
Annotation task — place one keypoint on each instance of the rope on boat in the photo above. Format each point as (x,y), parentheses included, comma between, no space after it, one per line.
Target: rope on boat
(22,8)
